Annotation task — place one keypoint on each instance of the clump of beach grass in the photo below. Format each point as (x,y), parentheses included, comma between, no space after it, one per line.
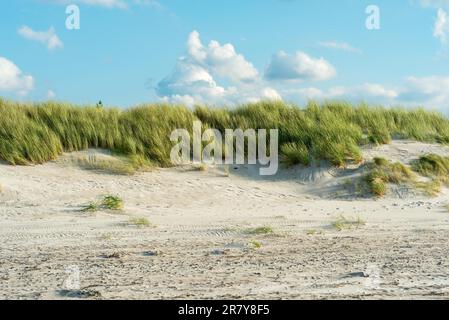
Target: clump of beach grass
(382,172)
(112,202)
(109,202)
(433,166)
(342,223)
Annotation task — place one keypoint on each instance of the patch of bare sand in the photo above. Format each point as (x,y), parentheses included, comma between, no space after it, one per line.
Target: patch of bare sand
(204,243)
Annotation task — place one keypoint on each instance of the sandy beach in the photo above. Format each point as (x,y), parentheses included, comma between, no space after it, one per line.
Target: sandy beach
(204,243)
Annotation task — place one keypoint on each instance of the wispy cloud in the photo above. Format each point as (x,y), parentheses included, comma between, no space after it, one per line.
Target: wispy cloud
(49,37)
(51,94)
(434,3)
(441,27)
(121,4)
(366,91)
(111,4)
(299,67)
(343,46)
(431,91)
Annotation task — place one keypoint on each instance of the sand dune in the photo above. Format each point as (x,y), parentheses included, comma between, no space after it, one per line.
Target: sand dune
(204,243)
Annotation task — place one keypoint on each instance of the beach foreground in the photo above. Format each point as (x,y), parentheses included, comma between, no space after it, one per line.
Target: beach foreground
(193,234)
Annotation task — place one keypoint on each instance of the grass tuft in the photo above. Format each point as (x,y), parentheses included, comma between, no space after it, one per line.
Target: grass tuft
(259,230)
(91,207)
(254,244)
(432,165)
(112,202)
(342,223)
(139,222)
(109,202)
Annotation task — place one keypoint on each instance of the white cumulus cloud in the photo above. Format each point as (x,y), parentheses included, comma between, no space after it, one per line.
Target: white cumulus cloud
(190,81)
(299,66)
(49,37)
(195,77)
(223,60)
(12,79)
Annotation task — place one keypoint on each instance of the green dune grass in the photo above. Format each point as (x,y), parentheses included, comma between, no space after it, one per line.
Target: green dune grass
(332,131)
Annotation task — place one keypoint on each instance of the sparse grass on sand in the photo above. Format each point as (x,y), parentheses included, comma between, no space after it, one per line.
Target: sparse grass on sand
(254,244)
(90,207)
(332,131)
(201,167)
(342,223)
(118,165)
(431,188)
(313,232)
(139,222)
(259,230)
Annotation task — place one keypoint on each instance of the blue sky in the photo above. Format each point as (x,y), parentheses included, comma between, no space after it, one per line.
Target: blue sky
(128,52)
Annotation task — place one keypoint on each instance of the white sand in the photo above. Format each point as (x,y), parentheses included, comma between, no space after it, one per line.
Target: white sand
(202,251)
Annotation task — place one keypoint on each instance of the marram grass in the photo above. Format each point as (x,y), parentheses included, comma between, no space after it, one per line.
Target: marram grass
(332,131)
